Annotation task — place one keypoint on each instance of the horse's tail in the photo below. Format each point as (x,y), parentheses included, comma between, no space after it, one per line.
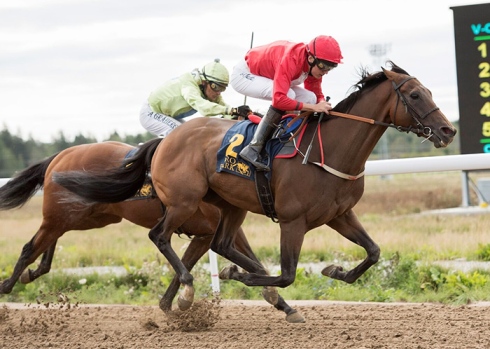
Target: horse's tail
(114,185)
(17,191)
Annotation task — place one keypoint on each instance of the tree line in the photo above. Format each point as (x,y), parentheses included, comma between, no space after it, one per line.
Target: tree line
(16,153)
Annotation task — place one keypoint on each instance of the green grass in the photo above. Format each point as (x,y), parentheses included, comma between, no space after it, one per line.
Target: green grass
(409,242)
(397,279)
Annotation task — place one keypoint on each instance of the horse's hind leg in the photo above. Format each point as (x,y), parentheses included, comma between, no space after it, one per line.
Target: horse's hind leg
(349,226)
(197,248)
(224,241)
(41,241)
(44,267)
(160,235)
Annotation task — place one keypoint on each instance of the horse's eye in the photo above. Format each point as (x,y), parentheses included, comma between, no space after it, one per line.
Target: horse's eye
(414,95)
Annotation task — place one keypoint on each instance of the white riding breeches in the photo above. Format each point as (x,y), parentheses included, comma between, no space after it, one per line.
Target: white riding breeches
(157,124)
(248,84)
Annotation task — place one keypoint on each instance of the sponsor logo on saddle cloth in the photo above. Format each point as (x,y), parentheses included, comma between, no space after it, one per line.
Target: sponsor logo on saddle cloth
(239,135)
(146,191)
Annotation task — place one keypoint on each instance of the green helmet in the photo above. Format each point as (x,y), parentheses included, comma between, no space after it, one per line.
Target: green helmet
(216,72)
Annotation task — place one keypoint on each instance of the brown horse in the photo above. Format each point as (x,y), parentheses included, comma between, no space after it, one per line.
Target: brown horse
(60,217)
(306,195)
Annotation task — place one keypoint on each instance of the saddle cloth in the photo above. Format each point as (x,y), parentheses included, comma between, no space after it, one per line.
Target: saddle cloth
(241,134)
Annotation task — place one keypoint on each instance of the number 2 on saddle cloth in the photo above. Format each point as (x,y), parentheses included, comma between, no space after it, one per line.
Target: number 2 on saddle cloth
(240,134)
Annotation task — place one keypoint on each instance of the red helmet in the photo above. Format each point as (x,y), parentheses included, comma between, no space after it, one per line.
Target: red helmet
(325,48)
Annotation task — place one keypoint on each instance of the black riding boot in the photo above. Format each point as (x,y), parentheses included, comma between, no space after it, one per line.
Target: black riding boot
(252,151)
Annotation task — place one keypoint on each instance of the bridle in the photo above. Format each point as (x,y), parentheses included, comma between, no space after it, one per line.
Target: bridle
(421,130)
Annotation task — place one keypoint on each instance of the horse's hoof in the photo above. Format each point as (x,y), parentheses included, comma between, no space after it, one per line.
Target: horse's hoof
(4,288)
(227,272)
(271,295)
(165,306)
(186,298)
(294,317)
(25,278)
(331,271)
(183,304)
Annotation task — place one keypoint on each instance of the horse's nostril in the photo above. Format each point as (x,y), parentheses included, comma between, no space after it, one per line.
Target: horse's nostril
(449,131)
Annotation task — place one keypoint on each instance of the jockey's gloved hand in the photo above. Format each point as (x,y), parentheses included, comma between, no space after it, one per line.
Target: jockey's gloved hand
(242,111)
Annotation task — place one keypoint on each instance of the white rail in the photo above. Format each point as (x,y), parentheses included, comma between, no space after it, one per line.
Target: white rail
(464,163)
(469,162)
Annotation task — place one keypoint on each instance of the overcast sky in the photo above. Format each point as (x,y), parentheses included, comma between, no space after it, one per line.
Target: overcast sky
(86,66)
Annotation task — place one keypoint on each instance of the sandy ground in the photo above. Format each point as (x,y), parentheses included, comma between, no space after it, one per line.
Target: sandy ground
(246,324)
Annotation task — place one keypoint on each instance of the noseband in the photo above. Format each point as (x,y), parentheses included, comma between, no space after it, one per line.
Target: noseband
(421,129)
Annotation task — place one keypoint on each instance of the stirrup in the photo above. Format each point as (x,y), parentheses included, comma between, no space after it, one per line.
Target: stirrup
(252,155)
(259,166)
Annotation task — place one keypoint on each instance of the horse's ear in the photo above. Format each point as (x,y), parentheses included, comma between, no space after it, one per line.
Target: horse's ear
(389,74)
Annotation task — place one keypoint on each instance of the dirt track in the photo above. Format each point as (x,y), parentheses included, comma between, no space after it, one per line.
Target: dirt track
(246,325)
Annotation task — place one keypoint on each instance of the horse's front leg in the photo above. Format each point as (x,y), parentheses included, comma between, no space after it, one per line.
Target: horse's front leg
(270,294)
(292,235)
(349,226)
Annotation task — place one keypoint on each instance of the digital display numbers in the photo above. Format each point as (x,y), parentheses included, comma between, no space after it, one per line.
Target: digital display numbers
(472,43)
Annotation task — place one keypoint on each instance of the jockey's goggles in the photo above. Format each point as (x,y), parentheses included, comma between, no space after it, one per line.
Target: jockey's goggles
(216,87)
(325,66)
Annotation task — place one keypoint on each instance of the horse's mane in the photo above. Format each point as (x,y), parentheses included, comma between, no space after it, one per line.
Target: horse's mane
(367,82)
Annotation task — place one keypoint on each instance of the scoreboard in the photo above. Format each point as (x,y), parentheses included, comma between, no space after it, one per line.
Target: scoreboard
(472,43)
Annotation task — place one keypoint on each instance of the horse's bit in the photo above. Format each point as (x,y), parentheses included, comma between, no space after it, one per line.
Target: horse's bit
(421,129)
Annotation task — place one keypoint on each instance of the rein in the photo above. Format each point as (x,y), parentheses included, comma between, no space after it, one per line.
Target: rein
(421,129)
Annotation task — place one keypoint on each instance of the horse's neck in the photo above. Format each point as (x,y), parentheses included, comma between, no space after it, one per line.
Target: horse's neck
(353,141)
